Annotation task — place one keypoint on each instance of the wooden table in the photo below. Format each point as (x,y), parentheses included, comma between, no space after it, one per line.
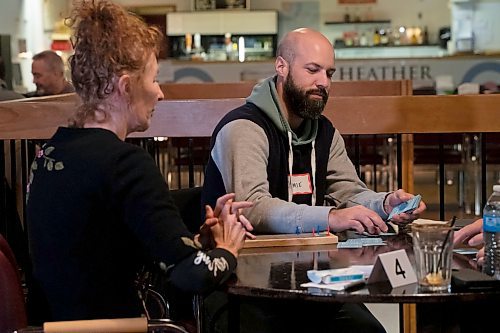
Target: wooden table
(277,273)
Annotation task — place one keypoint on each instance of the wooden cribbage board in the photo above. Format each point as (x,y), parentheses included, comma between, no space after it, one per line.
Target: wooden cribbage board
(291,240)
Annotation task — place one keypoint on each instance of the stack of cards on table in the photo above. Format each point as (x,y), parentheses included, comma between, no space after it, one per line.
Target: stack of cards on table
(406,207)
(338,279)
(357,243)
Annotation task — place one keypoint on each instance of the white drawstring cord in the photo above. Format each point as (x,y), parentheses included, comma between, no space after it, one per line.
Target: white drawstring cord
(313,171)
(290,167)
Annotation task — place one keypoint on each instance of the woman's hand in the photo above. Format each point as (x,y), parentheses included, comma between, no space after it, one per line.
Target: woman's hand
(215,217)
(229,233)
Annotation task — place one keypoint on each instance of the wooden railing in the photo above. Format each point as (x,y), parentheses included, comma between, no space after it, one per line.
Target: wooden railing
(38,118)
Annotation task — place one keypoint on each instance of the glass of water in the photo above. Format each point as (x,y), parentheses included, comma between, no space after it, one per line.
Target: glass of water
(433,250)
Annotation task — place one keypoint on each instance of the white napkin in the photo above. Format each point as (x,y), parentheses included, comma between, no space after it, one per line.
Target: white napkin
(339,286)
(338,279)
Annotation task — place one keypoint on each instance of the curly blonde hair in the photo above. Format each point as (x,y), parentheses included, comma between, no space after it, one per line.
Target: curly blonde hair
(108,41)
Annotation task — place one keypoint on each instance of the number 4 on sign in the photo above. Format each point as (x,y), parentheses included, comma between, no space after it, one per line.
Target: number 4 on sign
(395,267)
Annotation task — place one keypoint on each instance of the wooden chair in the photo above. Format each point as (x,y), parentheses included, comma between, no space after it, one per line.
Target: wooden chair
(123,325)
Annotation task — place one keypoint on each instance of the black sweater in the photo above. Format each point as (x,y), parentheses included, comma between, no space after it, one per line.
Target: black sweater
(98,209)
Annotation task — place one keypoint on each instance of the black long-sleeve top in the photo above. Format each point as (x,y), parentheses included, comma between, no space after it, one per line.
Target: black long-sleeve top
(98,209)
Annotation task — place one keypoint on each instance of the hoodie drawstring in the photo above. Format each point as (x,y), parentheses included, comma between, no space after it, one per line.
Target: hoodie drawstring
(290,166)
(313,171)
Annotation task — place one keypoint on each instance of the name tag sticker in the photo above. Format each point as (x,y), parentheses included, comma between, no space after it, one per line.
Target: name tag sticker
(301,184)
(395,267)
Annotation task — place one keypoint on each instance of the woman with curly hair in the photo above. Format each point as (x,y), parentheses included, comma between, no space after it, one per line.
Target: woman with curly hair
(98,207)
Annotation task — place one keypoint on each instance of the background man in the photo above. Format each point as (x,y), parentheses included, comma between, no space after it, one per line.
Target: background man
(48,75)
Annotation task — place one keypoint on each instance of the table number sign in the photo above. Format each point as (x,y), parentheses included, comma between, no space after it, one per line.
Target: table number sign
(395,267)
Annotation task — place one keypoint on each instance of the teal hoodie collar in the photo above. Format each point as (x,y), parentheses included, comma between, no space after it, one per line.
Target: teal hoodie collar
(265,97)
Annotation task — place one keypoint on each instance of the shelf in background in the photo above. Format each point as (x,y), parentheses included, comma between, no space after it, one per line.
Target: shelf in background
(384,52)
(380,46)
(360,22)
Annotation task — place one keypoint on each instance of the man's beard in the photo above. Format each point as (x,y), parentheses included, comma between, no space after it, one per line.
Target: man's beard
(299,102)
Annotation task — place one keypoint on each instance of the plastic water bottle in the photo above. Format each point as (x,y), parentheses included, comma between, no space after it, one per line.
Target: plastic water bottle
(491,232)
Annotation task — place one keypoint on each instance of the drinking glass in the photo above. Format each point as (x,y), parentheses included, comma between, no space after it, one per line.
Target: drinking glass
(433,250)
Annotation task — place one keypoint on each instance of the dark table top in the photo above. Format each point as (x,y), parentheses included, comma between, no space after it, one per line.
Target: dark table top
(279,272)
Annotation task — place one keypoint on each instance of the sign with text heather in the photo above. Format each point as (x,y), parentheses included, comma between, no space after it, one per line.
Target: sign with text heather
(395,267)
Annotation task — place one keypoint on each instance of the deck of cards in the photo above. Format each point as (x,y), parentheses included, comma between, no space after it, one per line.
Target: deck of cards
(359,243)
(406,207)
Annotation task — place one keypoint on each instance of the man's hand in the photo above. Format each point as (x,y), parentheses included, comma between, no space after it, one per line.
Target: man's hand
(471,235)
(398,197)
(357,218)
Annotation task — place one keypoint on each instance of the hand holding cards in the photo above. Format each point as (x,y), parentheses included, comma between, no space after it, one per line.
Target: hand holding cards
(406,207)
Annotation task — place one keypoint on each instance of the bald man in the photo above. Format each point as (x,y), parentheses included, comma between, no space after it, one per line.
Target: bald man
(281,153)
(48,75)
